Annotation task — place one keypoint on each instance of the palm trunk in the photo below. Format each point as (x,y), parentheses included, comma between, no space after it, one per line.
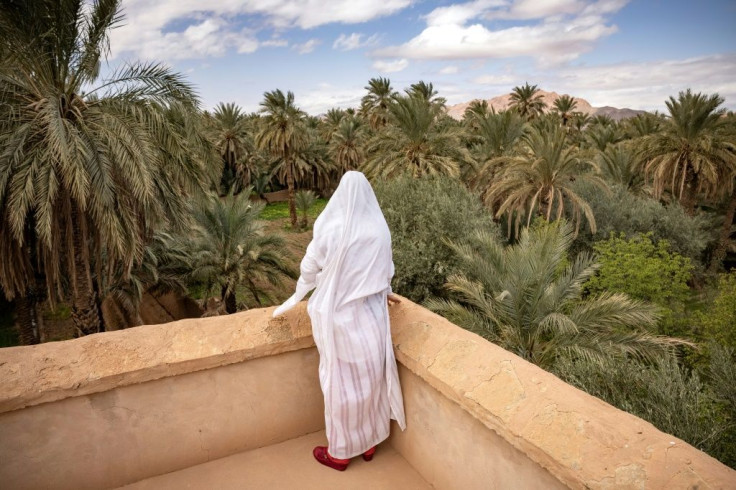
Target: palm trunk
(40,296)
(228,298)
(290,185)
(720,252)
(689,199)
(26,313)
(85,310)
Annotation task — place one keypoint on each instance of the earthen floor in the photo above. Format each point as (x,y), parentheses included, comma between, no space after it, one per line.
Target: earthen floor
(290,465)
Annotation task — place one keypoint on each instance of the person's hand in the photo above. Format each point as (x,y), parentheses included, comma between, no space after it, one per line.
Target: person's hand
(392,299)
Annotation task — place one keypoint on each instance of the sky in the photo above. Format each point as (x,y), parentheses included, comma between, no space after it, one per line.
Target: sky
(621,53)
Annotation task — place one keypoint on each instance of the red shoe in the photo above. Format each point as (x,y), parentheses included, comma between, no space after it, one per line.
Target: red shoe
(368,455)
(322,456)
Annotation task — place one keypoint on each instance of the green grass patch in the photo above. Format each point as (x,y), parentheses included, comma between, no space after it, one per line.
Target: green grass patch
(62,312)
(280,210)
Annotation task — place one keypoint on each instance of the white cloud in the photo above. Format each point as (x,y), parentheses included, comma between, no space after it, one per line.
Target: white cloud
(312,13)
(537,9)
(648,85)
(353,41)
(320,100)
(568,28)
(634,85)
(495,79)
(275,43)
(145,31)
(385,66)
(306,47)
(449,70)
(208,38)
(460,13)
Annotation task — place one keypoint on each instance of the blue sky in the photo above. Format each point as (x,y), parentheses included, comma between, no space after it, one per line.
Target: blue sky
(623,53)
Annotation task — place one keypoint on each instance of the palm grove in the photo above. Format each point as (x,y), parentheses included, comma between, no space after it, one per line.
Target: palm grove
(594,248)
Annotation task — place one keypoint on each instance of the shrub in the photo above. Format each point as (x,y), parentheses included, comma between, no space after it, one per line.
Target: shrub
(623,212)
(718,321)
(674,400)
(421,214)
(644,270)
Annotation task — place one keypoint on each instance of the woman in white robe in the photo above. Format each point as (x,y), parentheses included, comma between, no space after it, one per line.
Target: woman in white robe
(349,265)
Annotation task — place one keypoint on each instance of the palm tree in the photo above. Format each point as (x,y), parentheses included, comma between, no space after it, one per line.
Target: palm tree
(304,201)
(527,101)
(313,165)
(284,135)
(476,111)
(426,92)
(497,135)
(87,168)
(643,124)
(599,136)
(230,249)
(416,142)
(576,129)
(692,151)
(565,106)
(619,164)
(231,133)
(374,105)
(346,146)
(527,298)
(330,123)
(539,178)
(602,120)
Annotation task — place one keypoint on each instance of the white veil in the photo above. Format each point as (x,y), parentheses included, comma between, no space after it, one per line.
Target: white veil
(350,254)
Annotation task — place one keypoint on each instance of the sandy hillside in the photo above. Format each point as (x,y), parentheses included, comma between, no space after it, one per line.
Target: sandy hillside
(502,103)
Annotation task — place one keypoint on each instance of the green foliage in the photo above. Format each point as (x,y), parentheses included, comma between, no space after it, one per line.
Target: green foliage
(674,400)
(421,213)
(644,270)
(624,212)
(517,297)
(719,318)
(61,311)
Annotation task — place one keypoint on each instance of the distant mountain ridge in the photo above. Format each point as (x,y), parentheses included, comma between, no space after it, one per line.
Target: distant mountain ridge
(502,102)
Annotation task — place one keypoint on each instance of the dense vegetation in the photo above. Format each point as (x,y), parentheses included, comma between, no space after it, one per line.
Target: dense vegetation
(597,249)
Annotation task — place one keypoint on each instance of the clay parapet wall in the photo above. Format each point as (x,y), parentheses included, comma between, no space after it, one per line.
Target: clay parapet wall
(114,408)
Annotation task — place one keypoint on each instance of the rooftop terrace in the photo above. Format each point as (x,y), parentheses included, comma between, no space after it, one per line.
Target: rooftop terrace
(234,402)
